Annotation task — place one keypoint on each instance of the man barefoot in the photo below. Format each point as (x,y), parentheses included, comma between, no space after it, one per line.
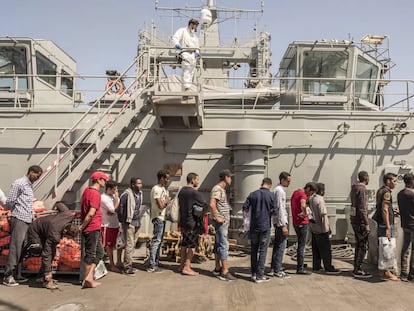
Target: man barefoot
(192,207)
(91,217)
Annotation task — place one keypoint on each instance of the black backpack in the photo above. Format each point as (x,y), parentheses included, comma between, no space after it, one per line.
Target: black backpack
(122,209)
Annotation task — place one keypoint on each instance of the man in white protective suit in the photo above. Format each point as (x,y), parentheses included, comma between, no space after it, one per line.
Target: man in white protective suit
(186,40)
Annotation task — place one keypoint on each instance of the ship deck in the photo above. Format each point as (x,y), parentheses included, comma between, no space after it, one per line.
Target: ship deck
(170,290)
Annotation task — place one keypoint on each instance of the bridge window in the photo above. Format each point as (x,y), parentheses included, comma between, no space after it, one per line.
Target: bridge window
(66,85)
(13,61)
(46,69)
(366,70)
(325,64)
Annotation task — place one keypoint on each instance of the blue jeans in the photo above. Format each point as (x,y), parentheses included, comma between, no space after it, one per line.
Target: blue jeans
(279,246)
(156,241)
(221,243)
(259,244)
(407,241)
(301,233)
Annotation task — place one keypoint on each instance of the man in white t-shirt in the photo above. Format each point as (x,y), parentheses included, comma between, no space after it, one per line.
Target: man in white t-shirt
(280,222)
(159,201)
(110,223)
(186,40)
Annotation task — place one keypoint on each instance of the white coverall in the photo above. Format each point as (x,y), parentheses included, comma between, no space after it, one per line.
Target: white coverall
(187,40)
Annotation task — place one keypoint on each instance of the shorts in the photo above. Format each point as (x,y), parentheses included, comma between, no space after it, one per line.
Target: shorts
(190,238)
(93,251)
(108,236)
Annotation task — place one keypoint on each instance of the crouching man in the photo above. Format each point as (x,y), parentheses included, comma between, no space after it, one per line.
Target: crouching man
(44,235)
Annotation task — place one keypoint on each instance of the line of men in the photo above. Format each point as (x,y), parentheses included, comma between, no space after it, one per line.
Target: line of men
(265,207)
(102,214)
(384,216)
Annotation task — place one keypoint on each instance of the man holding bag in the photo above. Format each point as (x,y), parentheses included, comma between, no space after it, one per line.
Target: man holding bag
(384,216)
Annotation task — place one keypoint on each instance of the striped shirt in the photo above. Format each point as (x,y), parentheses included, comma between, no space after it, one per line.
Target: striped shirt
(223,206)
(20,199)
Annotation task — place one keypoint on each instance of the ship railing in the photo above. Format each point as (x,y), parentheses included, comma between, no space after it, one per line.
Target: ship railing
(392,94)
(63,151)
(164,64)
(16,94)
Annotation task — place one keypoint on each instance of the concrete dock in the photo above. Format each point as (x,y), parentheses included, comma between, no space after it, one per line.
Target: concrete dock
(170,290)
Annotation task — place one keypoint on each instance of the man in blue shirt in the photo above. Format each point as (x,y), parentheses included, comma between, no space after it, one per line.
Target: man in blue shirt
(20,202)
(260,205)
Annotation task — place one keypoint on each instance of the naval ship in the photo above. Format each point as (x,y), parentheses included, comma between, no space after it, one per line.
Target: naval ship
(329,111)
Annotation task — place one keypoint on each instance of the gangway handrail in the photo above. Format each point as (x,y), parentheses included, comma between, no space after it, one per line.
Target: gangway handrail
(93,106)
(87,113)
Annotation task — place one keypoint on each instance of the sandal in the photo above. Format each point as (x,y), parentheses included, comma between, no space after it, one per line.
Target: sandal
(50,285)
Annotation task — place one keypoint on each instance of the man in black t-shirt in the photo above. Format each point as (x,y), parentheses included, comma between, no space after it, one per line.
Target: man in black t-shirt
(192,207)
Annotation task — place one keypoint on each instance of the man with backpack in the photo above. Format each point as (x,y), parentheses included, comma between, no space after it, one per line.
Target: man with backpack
(129,216)
(192,207)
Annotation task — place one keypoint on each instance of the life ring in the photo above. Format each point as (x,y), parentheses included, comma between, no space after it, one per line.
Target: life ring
(115,87)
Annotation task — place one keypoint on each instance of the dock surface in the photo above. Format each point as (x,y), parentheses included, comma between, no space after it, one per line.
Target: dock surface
(170,290)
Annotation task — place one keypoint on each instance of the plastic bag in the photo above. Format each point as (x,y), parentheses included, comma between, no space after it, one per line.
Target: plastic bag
(120,241)
(172,211)
(100,270)
(198,210)
(247,216)
(387,259)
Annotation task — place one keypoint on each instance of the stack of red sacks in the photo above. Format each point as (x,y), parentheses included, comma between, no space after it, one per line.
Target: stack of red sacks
(68,255)
(4,235)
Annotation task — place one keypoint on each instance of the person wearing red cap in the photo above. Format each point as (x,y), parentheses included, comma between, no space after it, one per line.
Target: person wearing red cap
(91,217)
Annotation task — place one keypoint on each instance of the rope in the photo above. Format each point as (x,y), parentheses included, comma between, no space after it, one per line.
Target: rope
(339,251)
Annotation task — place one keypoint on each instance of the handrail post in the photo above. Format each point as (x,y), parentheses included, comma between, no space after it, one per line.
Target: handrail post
(407,96)
(57,168)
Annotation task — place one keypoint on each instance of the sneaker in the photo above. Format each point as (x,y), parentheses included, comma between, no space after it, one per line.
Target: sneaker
(262,279)
(9,281)
(20,279)
(129,271)
(271,273)
(154,270)
(281,275)
(333,271)
(227,277)
(253,278)
(303,272)
(216,272)
(360,274)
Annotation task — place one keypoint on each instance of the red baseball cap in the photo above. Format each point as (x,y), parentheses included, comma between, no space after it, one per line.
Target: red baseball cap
(99,175)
